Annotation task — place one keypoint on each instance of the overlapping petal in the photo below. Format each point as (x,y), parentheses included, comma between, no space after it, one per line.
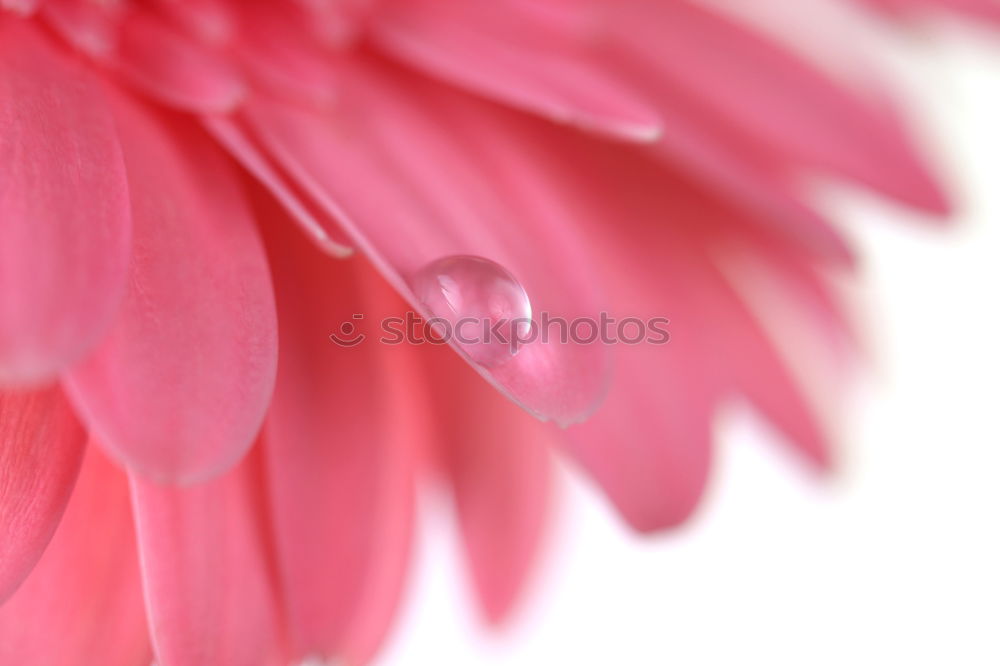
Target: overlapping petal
(341,447)
(179,387)
(41,445)
(368,162)
(174,68)
(503,52)
(497,462)
(795,112)
(316,222)
(650,445)
(64,237)
(206,570)
(412,130)
(82,603)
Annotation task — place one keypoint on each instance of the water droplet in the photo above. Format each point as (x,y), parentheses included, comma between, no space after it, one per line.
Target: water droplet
(486,307)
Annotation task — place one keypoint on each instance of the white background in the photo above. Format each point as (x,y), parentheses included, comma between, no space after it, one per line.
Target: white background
(894,561)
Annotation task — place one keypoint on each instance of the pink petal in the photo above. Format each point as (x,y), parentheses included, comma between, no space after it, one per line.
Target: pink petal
(749,175)
(22,7)
(317,224)
(504,54)
(205,570)
(82,604)
(747,362)
(746,358)
(340,448)
(498,463)
(64,241)
(91,27)
(276,47)
(649,447)
(797,276)
(370,164)
(41,445)
(982,9)
(754,86)
(179,388)
(173,68)
(211,21)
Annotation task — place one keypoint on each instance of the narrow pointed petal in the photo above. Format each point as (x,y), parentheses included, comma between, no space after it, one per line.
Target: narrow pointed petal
(83,603)
(746,359)
(756,87)
(747,362)
(205,570)
(317,224)
(498,464)
(340,447)
(649,447)
(786,272)
(180,386)
(64,240)
(502,53)
(368,163)
(41,445)
(749,175)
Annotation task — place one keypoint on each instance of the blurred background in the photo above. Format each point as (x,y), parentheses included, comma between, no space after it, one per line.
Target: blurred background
(894,560)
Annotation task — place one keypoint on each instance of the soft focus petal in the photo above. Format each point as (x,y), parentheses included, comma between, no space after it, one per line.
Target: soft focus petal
(746,83)
(205,570)
(750,257)
(983,9)
(83,603)
(64,237)
(749,364)
(23,7)
(496,50)
(649,446)
(749,176)
(416,175)
(212,22)
(179,388)
(340,450)
(41,445)
(276,48)
(91,27)
(175,69)
(497,461)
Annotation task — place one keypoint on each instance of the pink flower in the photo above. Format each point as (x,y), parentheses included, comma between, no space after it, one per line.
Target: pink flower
(191,469)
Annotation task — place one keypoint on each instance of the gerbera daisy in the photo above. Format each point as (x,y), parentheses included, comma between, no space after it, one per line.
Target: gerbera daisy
(192,471)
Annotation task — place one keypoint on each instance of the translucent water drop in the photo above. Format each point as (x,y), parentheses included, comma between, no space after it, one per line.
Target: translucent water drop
(487,310)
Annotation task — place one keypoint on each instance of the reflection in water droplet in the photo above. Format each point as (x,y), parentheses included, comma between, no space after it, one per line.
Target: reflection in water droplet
(476,296)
